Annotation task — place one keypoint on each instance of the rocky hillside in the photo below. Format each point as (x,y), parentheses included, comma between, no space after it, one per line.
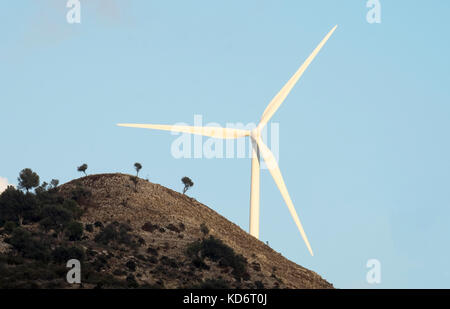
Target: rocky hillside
(140,234)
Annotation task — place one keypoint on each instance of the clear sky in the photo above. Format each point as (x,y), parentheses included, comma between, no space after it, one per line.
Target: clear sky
(364,136)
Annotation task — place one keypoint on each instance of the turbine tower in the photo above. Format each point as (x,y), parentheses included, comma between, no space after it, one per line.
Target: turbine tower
(258,147)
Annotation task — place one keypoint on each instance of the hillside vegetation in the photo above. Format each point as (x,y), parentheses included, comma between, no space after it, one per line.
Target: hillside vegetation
(130,233)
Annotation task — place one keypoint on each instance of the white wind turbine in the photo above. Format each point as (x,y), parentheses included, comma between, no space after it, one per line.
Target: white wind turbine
(258,147)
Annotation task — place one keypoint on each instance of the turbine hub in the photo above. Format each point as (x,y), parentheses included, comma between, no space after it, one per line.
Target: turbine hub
(255,133)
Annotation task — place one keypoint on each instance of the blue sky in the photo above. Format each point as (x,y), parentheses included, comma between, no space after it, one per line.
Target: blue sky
(364,139)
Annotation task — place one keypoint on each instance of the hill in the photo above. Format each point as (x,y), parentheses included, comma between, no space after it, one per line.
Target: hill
(140,234)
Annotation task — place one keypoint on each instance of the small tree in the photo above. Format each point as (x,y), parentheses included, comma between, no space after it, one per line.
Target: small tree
(54,183)
(83,168)
(28,179)
(138,167)
(74,231)
(42,188)
(17,206)
(187,183)
(55,217)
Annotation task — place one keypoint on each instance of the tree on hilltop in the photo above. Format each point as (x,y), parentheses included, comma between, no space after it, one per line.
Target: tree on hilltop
(187,183)
(83,168)
(28,179)
(138,167)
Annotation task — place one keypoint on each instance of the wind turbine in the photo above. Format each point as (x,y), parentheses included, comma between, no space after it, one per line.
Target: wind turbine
(258,147)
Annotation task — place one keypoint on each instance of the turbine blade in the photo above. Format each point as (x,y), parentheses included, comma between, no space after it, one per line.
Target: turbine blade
(281,96)
(272,165)
(215,132)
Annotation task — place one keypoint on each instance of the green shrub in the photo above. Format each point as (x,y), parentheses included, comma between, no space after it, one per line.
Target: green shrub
(107,235)
(173,228)
(214,284)
(46,224)
(152,251)
(259,284)
(89,228)
(74,231)
(81,194)
(18,207)
(9,227)
(100,262)
(131,282)
(63,254)
(73,208)
(169,262)
(256,266)
(214,249)
(118,233)
(101,280)
(152,259)
(55,217)
(141,257)
(182,226)
(131,265)
(119,272)
(148,227)
(14,260)
(199,263)
(141,241)
(21,275)
(27,246)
